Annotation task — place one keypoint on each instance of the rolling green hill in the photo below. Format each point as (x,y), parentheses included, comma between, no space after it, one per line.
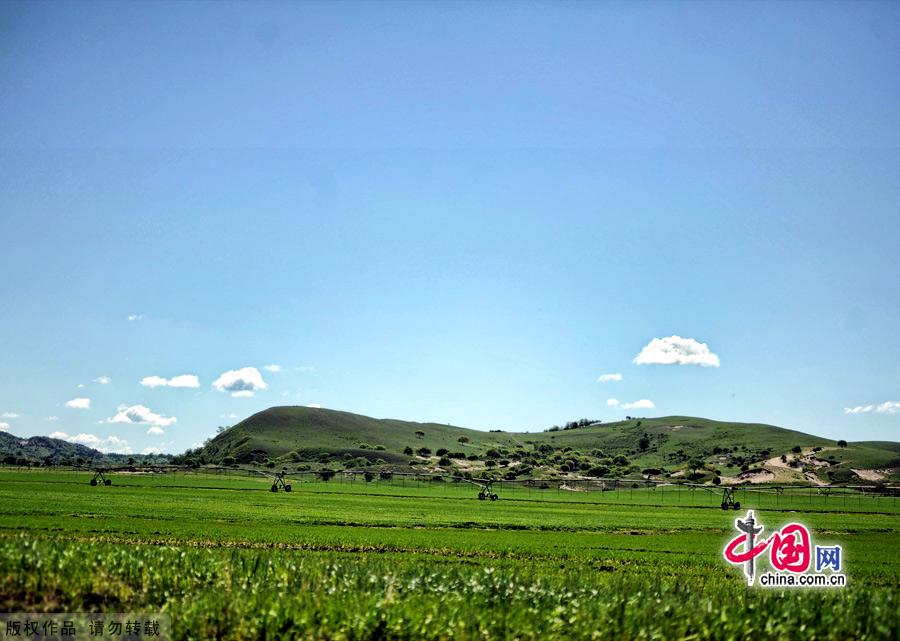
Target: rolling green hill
(674,446)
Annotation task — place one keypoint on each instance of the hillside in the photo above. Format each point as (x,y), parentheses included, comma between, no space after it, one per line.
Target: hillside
(671,446)
(43,450)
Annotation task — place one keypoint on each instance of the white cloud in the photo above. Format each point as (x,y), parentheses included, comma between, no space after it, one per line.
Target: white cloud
(9,415)
(305,368)
(103,380)
(888,407)
(184,380)
(858,409)
(141,415)
(675,350)
(151,450)
(272,368)
(155,430)
(240,383)
(52,418)
(135,317)
(232,415)
(606,378)
(315,406)
(80,386)
(110,444)
(4,427)
(79,403)
(642,404)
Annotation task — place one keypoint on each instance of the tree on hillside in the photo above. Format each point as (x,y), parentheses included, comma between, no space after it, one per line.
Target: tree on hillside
(420,433)
(408,450)
(462,439)
(644,443)
(796,449)
(842,443)
(695,464)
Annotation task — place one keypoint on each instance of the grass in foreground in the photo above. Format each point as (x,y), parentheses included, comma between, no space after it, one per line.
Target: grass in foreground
(243,563)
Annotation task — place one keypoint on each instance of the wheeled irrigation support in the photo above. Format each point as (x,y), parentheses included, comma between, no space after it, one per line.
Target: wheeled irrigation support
(100,479)
(279,483)
(728,500)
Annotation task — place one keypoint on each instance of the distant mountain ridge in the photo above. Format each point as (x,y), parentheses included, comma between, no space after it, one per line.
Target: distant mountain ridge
(53,451)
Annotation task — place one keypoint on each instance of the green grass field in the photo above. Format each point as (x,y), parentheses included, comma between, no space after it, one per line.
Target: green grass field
(226,558)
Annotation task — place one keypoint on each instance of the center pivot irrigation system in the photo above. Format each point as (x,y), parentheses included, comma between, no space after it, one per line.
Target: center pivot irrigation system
(486,491)
(100,478)
(485,488)
(279,483)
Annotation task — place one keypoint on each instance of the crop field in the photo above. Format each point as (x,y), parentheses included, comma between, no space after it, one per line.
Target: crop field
(227,558)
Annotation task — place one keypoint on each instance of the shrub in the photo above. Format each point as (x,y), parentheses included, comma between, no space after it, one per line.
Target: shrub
(408,450)
(423,451)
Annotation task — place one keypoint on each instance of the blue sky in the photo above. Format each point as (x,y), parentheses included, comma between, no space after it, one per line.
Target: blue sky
(455,212)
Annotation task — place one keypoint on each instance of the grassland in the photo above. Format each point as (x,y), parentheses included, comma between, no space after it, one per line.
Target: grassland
(226,558)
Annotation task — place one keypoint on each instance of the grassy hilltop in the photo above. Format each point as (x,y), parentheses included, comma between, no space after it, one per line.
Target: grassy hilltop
(670,446)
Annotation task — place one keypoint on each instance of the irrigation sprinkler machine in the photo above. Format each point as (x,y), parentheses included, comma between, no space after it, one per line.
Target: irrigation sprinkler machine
(279,483)
(485,489)
(100,478)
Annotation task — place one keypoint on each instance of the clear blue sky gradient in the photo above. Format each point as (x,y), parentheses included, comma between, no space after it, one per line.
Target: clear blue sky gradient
(455,212)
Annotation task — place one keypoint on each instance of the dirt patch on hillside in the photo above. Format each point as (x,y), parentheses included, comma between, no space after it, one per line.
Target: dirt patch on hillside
(754,476)
(869,475)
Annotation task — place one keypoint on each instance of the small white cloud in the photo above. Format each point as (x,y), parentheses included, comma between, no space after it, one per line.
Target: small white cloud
(80,386)
(151,450)
(228,416)
(103,380)
(272,368)
(155,430)
(135,317)
(110,444)
(52,418)
(4,427)
(606,378)
(184,380)
(240,383)
(9,415)
(315,406)
(859,409)
(888,407)
(79,403)
(642,404)
(675,350)
(141,415)
(305,368)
